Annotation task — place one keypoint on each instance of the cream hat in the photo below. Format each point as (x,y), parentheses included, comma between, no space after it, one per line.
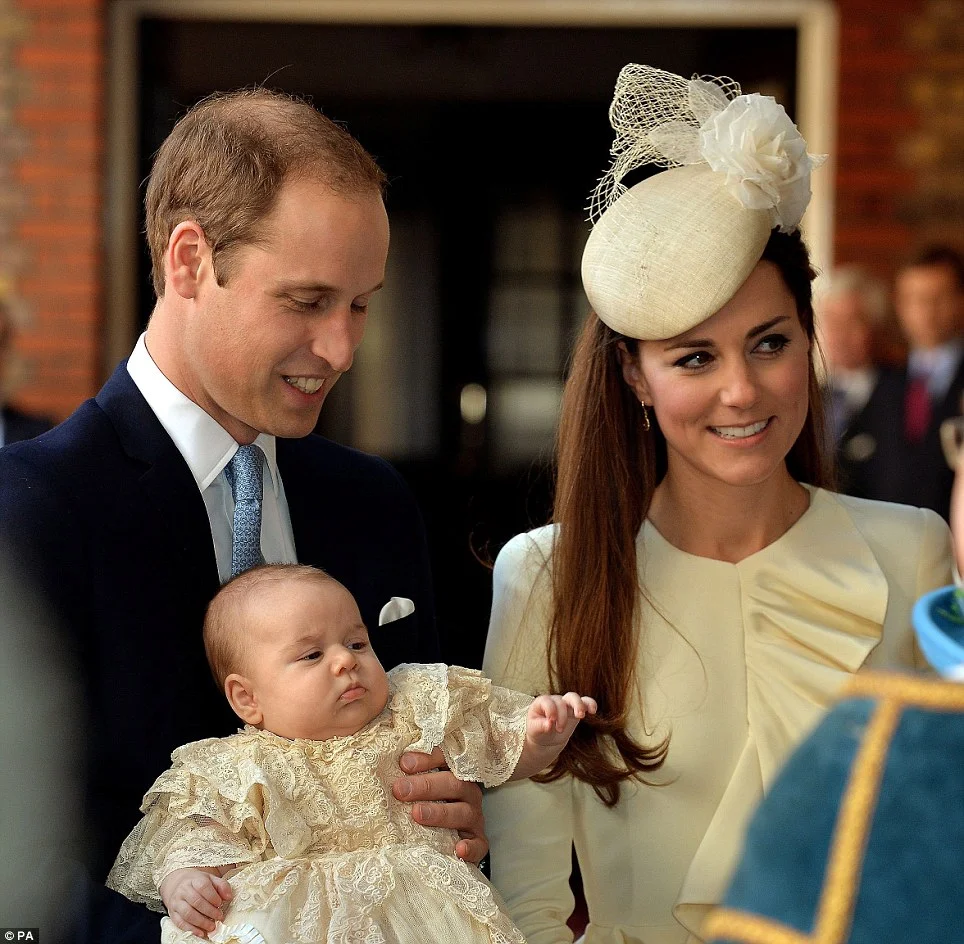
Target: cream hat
(669,252)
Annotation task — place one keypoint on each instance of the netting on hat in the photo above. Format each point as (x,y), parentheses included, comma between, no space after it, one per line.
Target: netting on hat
(657,117)
(663,119)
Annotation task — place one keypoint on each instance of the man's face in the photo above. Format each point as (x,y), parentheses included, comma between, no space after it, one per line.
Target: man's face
(262,351)
(845,332)
(930,305)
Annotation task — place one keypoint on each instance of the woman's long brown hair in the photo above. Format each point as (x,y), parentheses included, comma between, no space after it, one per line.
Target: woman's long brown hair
(608,467)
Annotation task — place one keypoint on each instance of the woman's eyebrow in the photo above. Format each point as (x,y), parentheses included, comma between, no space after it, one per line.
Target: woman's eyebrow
(766,326)
(691,343)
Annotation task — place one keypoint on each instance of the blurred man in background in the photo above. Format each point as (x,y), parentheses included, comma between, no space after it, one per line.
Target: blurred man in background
(891,449)
(14,425)
(854,317)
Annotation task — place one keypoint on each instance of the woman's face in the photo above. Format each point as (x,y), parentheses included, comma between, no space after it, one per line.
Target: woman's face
(731,394)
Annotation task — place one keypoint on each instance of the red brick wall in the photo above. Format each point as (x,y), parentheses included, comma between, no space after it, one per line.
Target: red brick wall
(875,115)
(900,180)
(59,63)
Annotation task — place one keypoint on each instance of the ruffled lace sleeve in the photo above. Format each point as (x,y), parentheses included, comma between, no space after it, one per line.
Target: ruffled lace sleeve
(209,809)
(480,727)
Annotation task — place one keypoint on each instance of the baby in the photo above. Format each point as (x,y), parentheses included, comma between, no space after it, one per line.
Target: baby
(288,830)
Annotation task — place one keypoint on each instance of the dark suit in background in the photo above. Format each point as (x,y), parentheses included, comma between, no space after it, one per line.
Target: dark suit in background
(107,521)
(18,426)
(877,460)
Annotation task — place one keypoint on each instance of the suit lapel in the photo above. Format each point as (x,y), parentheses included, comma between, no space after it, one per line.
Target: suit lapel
(177,508)
(950,405)
(303,501)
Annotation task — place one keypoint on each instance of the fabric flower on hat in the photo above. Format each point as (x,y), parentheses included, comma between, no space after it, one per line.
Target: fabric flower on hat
(763,155)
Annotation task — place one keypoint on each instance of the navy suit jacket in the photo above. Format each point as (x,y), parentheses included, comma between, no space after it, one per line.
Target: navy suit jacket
(108,522)
(875,459)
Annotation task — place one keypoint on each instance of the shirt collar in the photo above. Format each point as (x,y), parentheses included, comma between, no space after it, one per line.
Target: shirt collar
(207,447)
(924,362)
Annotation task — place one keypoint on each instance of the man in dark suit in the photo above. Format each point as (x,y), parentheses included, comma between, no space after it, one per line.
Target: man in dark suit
(268,238)
(891,448)
(853,312)
(15,425)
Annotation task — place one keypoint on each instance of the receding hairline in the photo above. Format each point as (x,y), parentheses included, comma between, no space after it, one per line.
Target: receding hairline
(226,159)
(276,113)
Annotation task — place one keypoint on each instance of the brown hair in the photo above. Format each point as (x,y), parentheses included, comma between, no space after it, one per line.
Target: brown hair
(938,255)
(225,161)
(224,627)
(608,469)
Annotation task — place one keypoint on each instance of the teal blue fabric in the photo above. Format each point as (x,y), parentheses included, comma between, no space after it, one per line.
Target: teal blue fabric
(939,624)
(912,884)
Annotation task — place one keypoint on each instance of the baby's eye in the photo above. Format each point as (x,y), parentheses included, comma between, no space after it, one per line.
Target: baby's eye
(694,360)
(309,657)
(358,646)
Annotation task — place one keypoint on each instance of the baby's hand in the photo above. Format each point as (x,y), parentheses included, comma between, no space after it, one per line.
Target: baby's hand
(193,899)
(553,718)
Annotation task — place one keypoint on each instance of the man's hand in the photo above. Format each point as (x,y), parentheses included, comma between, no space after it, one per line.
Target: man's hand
(460,810)
(193,898)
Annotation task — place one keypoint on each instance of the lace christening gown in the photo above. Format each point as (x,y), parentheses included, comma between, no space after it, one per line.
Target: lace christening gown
(323,850)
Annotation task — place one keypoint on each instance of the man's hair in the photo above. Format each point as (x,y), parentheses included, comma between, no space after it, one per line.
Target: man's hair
(225,161)
(854,280)
(938,255)
(224,622)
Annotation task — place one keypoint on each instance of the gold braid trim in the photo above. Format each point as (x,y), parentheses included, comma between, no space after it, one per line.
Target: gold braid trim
(910,690)
(851,831)
(835,912)
(750,928)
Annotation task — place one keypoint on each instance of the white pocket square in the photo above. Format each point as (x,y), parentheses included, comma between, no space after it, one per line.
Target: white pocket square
(395,609)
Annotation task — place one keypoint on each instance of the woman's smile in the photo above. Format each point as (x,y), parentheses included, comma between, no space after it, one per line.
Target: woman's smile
(743,434)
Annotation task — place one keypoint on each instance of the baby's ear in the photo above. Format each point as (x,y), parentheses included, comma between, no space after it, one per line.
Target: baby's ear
(242,698)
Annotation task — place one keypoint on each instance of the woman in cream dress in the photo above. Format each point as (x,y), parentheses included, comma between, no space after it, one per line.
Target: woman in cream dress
(699,579)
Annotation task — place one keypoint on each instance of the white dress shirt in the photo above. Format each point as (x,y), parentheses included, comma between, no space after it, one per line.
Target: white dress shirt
(855,385)
(207,448)
(938,365)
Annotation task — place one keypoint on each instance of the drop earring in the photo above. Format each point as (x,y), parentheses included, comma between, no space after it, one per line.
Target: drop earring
(645,416)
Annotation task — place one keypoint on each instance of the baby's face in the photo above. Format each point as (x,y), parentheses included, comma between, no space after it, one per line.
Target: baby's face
(310,662)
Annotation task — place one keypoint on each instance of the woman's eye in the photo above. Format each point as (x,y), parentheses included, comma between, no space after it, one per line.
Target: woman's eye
(359,307)
(773,343)
(696,359)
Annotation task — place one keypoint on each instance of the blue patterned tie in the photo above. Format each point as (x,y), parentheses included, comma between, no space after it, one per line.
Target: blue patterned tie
(245,473)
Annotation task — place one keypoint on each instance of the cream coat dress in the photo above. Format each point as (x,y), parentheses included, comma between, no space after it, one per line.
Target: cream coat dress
(736,662)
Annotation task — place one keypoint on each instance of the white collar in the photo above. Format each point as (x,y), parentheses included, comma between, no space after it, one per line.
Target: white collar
(930,360)
(207,447)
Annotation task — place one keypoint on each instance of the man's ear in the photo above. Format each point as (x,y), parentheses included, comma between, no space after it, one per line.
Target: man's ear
(242,698)
(187,249)
(632,373)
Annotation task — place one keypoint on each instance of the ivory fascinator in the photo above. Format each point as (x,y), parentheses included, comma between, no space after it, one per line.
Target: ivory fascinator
(670,251)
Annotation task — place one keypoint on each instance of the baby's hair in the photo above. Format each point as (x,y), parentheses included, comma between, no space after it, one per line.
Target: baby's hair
(225,617)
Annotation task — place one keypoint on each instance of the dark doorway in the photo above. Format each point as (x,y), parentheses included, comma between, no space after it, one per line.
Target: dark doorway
(493,139)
